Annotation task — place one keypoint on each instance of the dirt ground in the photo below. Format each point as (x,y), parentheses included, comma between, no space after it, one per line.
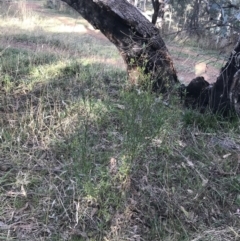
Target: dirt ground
(189,62)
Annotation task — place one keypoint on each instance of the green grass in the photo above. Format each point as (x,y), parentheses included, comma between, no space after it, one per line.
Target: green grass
(32,39)
(85,157)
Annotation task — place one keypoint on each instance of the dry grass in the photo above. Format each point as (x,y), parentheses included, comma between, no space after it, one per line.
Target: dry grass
(85,158)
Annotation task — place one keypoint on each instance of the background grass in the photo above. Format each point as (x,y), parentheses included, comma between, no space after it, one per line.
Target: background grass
(86,157)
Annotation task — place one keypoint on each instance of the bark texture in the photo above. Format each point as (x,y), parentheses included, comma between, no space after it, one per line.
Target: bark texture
(156,7)
(225,93)
(148,60)
(137,39)
(223,96)
(159,10)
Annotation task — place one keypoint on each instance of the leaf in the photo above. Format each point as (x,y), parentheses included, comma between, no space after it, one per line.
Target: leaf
(182,144)
(226,155)
(189,215)
(186,213)
(190,163)
(122,107)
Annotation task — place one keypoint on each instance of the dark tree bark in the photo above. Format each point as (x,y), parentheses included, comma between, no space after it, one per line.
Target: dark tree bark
(225,93)
(156,7)
(193,24)
(223,96)
(148,59)
(137,40)
(159,11)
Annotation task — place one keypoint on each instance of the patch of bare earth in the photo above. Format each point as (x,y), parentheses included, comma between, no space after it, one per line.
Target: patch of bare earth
(193,63)
(188,63)
(68,25)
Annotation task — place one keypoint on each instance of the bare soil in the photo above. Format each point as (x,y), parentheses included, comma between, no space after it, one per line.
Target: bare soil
(189,62)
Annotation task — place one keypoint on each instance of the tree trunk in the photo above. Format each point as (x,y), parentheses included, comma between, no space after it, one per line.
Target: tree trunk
(193,25)
(159,11)
(223,96)
(225,93)
(156,7)
(148,59)
(137,40)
